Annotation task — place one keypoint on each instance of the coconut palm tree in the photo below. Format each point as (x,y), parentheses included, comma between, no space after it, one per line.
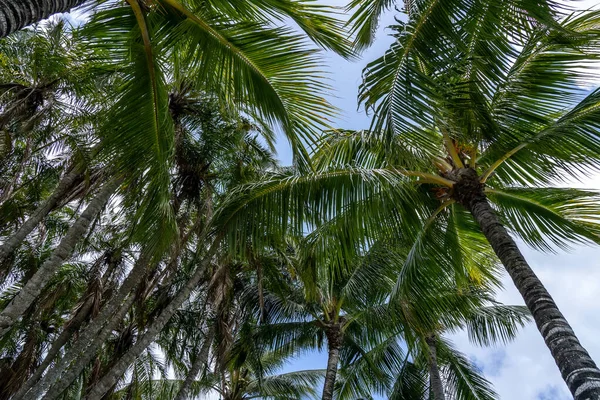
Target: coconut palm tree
(259,77)
(213,153)
(431,367)
(229,46)
(241,54)
(486,101)
(347,300)
(68,302)
(361,185)
(15,15)
(47,107)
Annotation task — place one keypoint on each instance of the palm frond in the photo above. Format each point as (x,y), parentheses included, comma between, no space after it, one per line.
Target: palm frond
(549,217)
(464,381)
(496,323)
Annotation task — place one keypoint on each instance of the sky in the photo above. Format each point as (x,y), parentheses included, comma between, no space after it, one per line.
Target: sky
(523,369)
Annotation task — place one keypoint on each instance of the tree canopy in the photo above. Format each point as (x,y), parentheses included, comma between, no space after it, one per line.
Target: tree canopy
(153,247)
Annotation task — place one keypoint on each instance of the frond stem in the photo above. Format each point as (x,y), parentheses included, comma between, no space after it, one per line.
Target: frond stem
(428,178)
(451,148)
(500,161)
(438,210)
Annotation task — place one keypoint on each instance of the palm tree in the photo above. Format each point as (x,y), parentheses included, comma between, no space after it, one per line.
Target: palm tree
(244,368)
(229,45)
(236,42)
(15,15)
(470,307)
(483,98)
(262,86)
(360,186)
(231,362)
(213,153)
(241,54)
(68,302)
(43,76)
(345,300)
(444,295)
(63,251)
(413,378)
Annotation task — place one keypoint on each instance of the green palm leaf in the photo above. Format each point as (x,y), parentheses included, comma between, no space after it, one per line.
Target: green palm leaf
(549,216)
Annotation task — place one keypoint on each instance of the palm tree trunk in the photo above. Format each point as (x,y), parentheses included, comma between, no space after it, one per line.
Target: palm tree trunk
(201,361)
(435,380)
(62,339)
(65,184)
(34,286)
(17,14)
(83,351)
(334,343)
(8,190)
(87,339)
(70,328)
(118,370)
(81,360)
(578,370)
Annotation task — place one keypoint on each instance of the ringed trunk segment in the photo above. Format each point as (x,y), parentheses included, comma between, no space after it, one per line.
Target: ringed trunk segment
(334,335)
(66,188)
(74,325)
(65,185)
(577,368)
(81,353)
(435,379)
(17,14)
(201,361)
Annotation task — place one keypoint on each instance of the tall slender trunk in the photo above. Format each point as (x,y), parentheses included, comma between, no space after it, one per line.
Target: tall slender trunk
(435,380)
(17,14)
(70,328)
(34,286)
(91,338)
(58,343)
(65,184)
(80,361)
(118,370)
(201,361)
(334,344)
(577,368)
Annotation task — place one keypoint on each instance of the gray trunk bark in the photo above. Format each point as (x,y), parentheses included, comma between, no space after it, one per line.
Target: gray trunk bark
(65,184)
(201,361)
(83,351)
(34,286)
(17,14)
(435,379)
(578,370)
(62,339)
(72,326)
(82,360)
(331,374)
(334,343)
(118,370)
